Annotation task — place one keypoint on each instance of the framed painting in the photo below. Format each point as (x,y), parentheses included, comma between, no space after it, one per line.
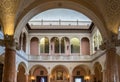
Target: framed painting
(59,75)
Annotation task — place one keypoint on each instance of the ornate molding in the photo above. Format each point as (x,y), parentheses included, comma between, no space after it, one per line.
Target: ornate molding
(112,7)
(8,6)
(111,12)
(111,44)
(9,42)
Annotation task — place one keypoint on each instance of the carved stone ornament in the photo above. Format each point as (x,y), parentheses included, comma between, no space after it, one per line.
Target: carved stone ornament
(9,42)
(108,44)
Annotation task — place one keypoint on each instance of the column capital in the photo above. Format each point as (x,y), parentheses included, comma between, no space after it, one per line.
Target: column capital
(111,44)
(9,42)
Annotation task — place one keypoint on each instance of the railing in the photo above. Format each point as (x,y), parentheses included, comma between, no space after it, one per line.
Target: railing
(64,57)
(60,22)
(58,57)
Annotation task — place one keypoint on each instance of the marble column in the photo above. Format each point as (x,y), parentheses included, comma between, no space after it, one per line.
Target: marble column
(9,61)
(112,66)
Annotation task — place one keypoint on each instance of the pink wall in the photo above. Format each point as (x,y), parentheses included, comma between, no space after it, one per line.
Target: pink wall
(34,44)
(85,46)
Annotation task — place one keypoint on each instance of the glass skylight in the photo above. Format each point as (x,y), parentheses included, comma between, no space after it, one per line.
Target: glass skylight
(60,14)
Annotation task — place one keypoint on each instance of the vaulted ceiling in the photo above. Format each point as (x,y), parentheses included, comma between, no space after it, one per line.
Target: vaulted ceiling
(19,12)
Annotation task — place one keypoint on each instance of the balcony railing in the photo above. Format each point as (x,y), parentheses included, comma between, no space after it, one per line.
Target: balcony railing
(60,22)
(63,57)
(57,57)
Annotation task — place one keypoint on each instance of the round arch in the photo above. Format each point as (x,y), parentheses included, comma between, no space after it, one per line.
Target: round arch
(65,45)
(45,5)
(21,73)
(44,45)
(97,64)
(60,66)
(33,68)
(85,68)
(22,64)
(34,44)
(55,45)
(60,72)
(98,72)
(75,45)
(85,46)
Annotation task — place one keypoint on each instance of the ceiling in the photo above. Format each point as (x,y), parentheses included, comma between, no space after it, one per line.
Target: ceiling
(104,13)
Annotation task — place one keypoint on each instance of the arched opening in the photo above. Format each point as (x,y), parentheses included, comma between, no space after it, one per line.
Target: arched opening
(38,73)
(85,46)
(74,48)
(21,77)
(55,45)
(80,73)
(61,4)
(98,72)
(44,45)
(78,6)
(65,45)
(59,73)
(75,45)
(34,44)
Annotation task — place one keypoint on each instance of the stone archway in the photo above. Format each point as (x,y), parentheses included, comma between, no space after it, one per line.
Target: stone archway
(38,72)
(98,72)
(59,73)
(82,72)
(45,5)
(21,77)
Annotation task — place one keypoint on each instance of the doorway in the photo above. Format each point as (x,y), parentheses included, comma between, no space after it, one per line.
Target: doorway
(41,79)
(78,79)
